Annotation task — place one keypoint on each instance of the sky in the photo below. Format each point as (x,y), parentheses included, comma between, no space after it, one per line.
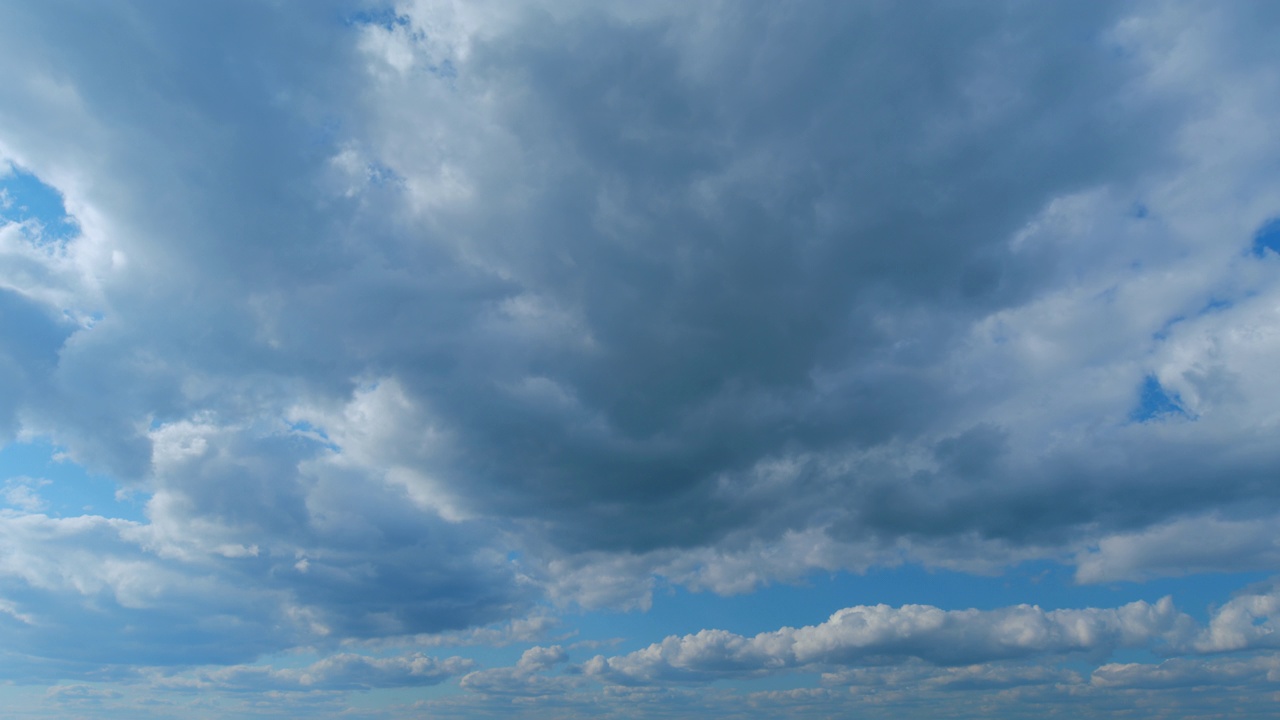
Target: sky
(578,359)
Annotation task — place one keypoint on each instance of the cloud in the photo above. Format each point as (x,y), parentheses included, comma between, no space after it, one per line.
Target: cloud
(1184,546)
(982,677)
(881,634)
(406,322)
(697,328)
(22,493)
(303,563)
(1248,621)
(716,347)
(339,672)
(972,647)
(536,627)
(1182,673)
(602,293)
(528,678)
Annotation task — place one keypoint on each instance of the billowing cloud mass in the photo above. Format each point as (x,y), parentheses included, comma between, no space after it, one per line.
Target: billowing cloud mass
(443,358)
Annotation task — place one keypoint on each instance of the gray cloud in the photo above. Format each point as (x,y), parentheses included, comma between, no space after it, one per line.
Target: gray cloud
(784,241)
(806,283)
(724,293)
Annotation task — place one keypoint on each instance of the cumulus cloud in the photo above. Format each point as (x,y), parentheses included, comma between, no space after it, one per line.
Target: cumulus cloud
(1250,620)
(405,319)
(882,634)
(684,327)
(595,293)
(969,649)
(319,555)
(528,678)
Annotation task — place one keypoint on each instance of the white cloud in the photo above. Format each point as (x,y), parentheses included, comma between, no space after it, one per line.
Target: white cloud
(1248,621)
(23,493)
(527,678)
(408,324)
(1189,673)
(1191,545)
(881,634)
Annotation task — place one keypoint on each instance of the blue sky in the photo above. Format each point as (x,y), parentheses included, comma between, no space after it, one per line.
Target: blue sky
(612,359)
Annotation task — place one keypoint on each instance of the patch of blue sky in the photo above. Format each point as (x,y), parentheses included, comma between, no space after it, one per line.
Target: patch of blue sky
(59,487)
(312,432)
(1215,305)
(446,70)
(771,683)
(1155,402)
(22,700)
(25,199)
(1267,238)
(386,18)
(380,175)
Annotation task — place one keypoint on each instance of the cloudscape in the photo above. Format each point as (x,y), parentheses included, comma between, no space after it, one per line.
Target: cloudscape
(578,359)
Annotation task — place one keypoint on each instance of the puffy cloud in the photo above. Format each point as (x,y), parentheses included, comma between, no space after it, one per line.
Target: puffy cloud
(252,543)
(1248,621)
(404,322)
(541,658)
(984,650)
(596,293)
(700,293)
(23,493)
(528,678)
(882,634)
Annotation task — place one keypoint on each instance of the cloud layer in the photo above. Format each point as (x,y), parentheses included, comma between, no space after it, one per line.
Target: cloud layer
(418,321)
